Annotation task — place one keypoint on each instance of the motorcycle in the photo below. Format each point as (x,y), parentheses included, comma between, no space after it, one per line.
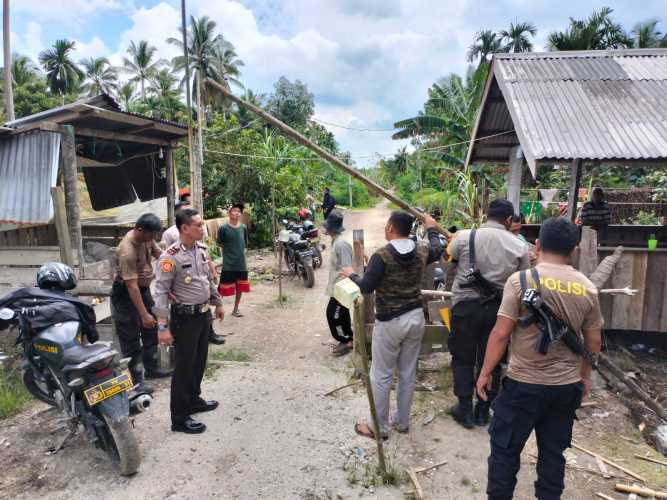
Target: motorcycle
(298,253)
(439,279)
(86,382)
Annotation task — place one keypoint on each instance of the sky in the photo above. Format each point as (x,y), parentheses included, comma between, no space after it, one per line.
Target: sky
(368,63)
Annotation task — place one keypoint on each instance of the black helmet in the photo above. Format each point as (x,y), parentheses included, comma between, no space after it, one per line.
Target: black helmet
(56,275)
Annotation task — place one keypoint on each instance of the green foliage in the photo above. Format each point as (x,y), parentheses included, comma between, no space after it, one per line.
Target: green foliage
(643,218)
(597,32)
(62,73)
(292,103)
(13,394)
(658,180)
(236,355)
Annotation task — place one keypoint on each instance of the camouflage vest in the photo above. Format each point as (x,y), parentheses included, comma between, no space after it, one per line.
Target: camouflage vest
(399,290)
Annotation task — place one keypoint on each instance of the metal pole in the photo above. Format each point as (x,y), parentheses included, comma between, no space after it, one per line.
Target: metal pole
(188,98)
(7,54)
(290,132)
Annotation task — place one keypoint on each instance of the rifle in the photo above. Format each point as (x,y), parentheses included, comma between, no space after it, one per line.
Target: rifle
(552,328)
(488,291)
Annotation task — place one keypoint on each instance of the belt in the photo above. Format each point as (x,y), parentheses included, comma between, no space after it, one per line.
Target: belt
(190,310)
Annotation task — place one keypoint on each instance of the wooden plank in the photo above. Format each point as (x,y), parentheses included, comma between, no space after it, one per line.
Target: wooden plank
(117,136)
(60,217)
(655,300)
(72,194)
(358,263)
(636,305)
(514,177)
(621,303)
(663,313)
(588,250)
(435,334)
(573,193)
(29,256)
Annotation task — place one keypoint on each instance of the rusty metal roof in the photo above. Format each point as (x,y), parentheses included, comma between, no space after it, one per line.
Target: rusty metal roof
(607,106)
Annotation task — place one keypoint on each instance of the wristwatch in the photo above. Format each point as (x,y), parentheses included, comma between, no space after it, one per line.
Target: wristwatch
(161,327)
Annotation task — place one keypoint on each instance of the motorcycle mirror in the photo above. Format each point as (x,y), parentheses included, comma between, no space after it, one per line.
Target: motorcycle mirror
(285,221)
(6,314)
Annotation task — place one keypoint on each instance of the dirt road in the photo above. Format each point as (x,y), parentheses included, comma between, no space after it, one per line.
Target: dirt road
(275,435)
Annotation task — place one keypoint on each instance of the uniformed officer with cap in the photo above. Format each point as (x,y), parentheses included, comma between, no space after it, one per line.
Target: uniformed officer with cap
(183,274)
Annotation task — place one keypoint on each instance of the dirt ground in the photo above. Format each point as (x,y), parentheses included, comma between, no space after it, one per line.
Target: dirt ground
(277,436)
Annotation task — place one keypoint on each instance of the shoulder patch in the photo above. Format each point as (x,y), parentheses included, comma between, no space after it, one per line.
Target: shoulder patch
(174,249)
(166,265)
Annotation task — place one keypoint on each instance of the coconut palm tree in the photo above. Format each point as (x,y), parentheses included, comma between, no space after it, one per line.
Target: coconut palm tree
(141,64)
(164,84)
(597,32)
(101,77)
(516,38)
(24,71)
(126,95)
(486,43)
(62,74)
(646,35)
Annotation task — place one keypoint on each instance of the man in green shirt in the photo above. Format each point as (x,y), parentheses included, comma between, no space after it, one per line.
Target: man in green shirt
(233,239)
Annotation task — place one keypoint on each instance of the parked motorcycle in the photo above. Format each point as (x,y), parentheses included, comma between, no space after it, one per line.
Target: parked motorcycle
(439,279)
(298,253)
(86,382)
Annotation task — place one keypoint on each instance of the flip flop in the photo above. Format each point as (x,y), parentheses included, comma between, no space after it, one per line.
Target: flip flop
(370,434)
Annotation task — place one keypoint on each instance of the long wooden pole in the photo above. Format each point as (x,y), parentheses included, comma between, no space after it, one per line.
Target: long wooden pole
(72,195)
(171,191)
(7,54)
(290,132)
(188,97)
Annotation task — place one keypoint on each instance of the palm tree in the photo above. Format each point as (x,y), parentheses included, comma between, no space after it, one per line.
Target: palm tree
(598,32)
(164,84)
(515,39)
(101,77)
(243,116)
(126,95)
(24,70)
(141,64)
(486,43)
(647,36)
(62,74)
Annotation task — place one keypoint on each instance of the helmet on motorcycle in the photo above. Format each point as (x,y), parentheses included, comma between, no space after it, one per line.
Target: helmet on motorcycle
(308,225)
(56,275)
(304,213)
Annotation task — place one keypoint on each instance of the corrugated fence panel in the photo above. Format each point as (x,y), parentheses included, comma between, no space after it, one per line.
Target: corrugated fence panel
(28,169)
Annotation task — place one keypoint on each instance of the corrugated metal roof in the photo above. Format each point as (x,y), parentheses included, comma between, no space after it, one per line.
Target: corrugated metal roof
(28,169)
(593,105)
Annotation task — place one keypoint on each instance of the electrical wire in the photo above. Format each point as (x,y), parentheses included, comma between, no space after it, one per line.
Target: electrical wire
(353,128)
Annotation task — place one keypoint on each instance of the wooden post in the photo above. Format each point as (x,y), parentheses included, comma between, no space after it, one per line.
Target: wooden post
(588,251)
(290,132)
(72,194)
(358,263)
(360,333)
(573,195)
(280,273)
(514,178)
(60,220)
(171,192)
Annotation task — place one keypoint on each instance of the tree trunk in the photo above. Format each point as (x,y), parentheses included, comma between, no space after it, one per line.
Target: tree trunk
(7,53)
(143,91)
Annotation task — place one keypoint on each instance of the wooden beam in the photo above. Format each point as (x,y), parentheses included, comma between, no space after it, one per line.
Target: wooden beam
(143,128)
(573,194)
(82,161)
(60,218)
(514,178)
(118,136)
(290,132)
(72,194)
(134,120)
(171,195)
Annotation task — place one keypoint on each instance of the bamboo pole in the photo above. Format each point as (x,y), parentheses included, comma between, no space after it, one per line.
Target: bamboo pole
(638,490)
(609,462)
(290,132)
(360,334)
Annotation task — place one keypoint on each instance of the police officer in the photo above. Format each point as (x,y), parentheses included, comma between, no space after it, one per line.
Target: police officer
(131,299)
(183,274)
(493,253)
(541,391)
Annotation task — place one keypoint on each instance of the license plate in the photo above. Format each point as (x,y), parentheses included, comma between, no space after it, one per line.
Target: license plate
(109,388)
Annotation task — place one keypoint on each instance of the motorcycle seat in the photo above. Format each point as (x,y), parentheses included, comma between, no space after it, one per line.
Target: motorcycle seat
(80,353)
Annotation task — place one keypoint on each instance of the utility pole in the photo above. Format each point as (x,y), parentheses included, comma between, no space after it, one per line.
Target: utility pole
(7,54)
(188,99)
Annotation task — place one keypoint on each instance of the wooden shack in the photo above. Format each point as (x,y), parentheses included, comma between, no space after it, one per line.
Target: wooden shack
(583,108)
(121,156)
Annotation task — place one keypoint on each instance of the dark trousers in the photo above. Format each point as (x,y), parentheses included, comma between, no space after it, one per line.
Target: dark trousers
(518,409)
(472,322)
(136,342)
(339,321)
(190,334)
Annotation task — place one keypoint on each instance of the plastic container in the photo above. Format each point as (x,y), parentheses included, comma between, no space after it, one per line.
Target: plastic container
(652,243)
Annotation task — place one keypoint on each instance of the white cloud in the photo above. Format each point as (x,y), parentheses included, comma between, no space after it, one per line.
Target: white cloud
(95,48)
(29,42)
(69,12)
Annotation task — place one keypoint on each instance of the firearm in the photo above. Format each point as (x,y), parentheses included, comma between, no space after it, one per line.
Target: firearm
(552,328)
(487,290)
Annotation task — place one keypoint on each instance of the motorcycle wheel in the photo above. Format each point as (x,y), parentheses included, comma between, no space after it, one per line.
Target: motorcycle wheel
(308,276)
(318,257)
(121,445)
(37,389)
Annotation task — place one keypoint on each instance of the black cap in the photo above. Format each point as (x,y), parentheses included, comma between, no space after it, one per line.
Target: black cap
(334,222)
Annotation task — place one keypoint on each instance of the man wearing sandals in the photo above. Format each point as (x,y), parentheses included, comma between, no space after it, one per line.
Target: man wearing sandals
(394,273)
(233,239)
(338,316)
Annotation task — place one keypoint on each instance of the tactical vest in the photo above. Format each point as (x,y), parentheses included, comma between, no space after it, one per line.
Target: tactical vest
(399,290)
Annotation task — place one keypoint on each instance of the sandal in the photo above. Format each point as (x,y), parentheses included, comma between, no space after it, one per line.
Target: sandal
(368,433)
(341,350)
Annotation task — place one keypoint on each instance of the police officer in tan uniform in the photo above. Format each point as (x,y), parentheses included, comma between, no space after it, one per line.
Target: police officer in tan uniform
(183,274)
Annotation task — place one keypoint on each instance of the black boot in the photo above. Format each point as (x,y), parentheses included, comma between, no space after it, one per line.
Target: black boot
(481,413)
(137,372)
(462,413)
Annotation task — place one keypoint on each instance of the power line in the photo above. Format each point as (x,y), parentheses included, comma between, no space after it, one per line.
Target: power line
(353,128)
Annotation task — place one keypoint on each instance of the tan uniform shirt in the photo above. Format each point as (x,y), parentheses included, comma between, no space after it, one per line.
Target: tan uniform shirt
(184,273)
(134,260)
(498,253)
(171,236)
(574,299)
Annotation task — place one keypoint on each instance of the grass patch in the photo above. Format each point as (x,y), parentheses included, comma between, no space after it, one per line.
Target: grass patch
(13,395)
(229,355)
(287,300)
(365,471)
